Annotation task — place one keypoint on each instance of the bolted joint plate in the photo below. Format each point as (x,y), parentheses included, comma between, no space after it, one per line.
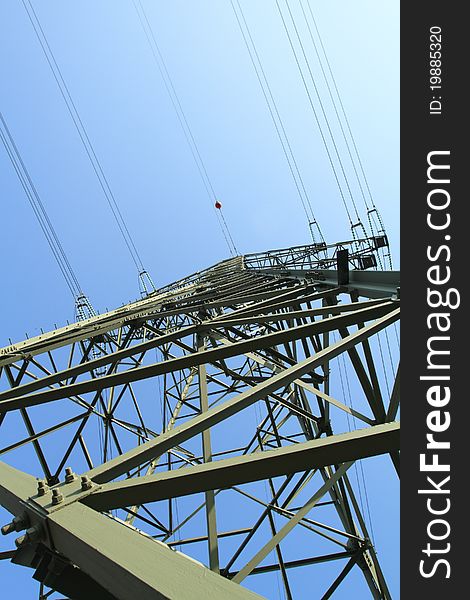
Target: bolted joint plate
(32,504)
(72,491)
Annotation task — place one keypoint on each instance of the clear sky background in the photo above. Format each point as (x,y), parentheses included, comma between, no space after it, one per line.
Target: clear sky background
(109,68)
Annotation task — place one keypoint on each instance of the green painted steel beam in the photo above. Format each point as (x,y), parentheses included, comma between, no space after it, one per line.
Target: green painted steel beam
(131,565)
(125,562)
(194,359)
(230,321)
(119,355)
(369,284)
(289,526)
(139,311)
(15,486)
(226,473)
(154,448)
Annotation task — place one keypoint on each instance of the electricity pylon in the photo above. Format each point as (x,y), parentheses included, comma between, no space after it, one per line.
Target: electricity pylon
(205,418)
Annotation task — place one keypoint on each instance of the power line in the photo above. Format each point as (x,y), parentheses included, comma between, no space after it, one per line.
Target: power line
(39,209)
(83,135)
(183,121)
(83,306)
(333,78)
(317,119)
(333,101)
(372,211)
(351,406)
(278,123)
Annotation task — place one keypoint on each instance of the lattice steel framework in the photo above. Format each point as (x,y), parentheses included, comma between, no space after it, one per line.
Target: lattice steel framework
(202,417)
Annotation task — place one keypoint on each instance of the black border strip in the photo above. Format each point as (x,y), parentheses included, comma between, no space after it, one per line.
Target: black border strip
(423,247)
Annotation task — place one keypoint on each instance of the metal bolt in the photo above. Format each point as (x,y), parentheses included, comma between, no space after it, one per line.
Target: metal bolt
(69,475)
(86,483)
(33,534)
(18,524)
(57,497)
(9,528)
(42,487)
(20,541)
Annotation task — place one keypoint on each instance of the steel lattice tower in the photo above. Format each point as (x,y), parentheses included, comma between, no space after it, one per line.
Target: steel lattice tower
(203,416)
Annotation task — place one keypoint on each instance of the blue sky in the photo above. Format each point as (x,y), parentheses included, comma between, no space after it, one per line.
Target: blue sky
(108,66)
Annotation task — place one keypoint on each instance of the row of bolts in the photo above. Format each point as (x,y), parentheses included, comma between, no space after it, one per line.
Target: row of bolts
(70,476)
(22,522)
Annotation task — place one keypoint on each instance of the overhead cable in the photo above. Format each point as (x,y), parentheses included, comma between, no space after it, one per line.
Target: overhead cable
(317,119)
(83,135)
(315,230)
(183,121)
(83,306)
(39,209)
(375,220)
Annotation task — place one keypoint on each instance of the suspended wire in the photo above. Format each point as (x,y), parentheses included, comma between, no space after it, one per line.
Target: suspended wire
(83,306)
(371,211)
(228,231)
(338,95)
(278,123)
(397,339)
(383,363)
(317,120)
(39,209)
(333,101)
(185,126)
(267,496)
(350,403)
(182,118)
(183,121)
(389,351)
(348,421)
(366,495)
(81,130)
(361,468)
(321,104)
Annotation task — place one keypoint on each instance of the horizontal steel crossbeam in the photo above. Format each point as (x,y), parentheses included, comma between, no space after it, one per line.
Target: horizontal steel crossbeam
(124,562)
(154,448)
(303,456)
(190,360)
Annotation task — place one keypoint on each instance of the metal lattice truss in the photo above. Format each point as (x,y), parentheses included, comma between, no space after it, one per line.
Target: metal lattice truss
(201,418)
